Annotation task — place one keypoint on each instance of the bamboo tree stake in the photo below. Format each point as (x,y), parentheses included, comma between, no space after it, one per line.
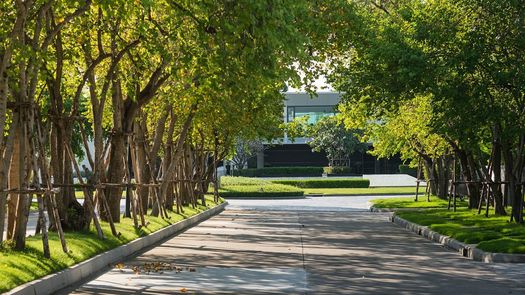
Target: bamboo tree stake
(139,206)
(418,180)
(42,222)
(87,193)
(131,194)
(44,169)
(102,197)
(454,182)
(155,190)
(482,197)
(138,200)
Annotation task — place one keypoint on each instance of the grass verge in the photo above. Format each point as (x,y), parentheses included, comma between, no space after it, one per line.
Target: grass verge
(493,234)
(19,267)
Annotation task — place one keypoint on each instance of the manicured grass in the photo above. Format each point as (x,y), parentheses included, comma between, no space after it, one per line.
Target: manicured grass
(80,194)
(493,233)
(18,267)
(363,191)
(243,187)
(408,202)
(326,183)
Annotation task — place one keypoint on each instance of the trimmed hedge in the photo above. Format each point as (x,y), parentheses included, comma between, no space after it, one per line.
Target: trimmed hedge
(279,171)
(337,170)
(326,183)
(239,180)
(270,190)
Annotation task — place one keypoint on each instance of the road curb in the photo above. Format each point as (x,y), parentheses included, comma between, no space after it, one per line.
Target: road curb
(466,250)
(74,274)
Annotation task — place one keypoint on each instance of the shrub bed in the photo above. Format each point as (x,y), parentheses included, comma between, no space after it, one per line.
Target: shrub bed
(326,183)
(279,171)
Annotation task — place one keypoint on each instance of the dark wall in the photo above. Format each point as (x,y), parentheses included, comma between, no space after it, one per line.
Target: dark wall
(301,155)
(293,155)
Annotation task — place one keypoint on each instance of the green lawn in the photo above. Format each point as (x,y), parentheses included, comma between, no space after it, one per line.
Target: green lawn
(408,202)
(18,267)
(493,233)
(80,194)
(365,191)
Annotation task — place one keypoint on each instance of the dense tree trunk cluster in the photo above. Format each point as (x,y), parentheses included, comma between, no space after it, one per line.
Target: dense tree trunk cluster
(152,94)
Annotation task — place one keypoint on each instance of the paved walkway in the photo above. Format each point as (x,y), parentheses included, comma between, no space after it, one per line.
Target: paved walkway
(271,249)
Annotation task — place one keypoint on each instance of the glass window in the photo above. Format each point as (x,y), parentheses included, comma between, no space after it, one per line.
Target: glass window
(314,113)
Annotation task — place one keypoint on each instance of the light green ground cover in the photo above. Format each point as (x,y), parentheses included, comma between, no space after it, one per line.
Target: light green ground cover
(18,267)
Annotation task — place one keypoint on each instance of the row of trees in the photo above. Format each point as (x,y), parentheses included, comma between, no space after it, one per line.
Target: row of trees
(167,86)
(440,81)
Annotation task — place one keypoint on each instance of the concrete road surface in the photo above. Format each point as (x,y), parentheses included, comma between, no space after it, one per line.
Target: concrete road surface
(268,248)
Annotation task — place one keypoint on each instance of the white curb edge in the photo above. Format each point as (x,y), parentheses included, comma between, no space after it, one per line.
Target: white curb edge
(78,272)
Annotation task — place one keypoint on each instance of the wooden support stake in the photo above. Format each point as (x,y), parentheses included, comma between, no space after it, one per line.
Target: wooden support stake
(418,180)
(87,193)
(44,170)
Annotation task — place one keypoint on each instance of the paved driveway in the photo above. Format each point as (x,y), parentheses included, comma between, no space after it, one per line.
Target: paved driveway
(278,247)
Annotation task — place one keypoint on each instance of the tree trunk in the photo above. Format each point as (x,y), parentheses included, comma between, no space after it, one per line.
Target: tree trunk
(14,180)
(496,164)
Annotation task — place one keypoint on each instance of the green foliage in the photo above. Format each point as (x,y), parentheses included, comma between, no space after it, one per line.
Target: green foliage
(280,171)
(19,267)
(339,143)
(326,183)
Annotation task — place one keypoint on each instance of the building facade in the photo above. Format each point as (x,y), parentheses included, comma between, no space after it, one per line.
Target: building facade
(296,151)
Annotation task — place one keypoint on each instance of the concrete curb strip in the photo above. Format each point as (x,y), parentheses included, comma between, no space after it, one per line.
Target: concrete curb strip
(466,250)
(60,280)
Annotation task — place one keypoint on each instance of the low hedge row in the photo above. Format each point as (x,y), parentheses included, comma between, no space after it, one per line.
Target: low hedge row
(270,190)
(279,171)
(239,180)
(326,183)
